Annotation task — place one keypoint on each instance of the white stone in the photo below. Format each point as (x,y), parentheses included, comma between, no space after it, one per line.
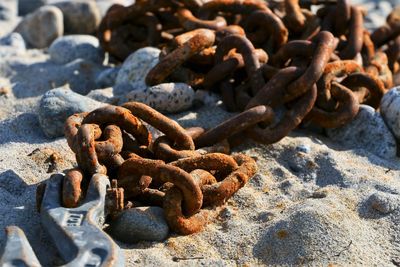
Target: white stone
(390,110)
(42,27)
(137,65)
(165,97)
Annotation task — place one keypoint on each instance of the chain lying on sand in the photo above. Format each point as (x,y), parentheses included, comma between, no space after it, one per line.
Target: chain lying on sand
(165,172)
(261,57)
(263,53)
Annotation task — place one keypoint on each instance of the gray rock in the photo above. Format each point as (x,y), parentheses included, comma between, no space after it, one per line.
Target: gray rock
(105,95)
(305,148)
(57,105)
(42,27)
(80,17)
(165,97)
(107,77)
(384,202)
(8,9)
(367,131)
(140,224)
(137,65)
(11,45)
(13,39)
(303,165)
(390,110)
(28,6)
(68,48)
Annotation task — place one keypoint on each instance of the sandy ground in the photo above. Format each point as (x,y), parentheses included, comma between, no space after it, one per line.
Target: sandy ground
(301,208)
(312,201)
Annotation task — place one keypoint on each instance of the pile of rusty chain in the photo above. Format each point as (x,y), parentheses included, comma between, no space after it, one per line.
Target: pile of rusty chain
(167,171)
(262,57)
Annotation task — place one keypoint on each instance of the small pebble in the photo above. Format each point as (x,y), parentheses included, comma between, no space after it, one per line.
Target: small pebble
(165,97)
(11,45)
(390,110)
(384,202)
(80,17)
(303,148)
(367,131)
(107,77)
(57,105)
(227,213)
(14,40)
(137,65)
(28,6)
(303,166)
(42,27)
(140,224)
(68,48)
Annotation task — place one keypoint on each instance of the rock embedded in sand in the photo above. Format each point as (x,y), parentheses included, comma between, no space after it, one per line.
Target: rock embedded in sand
(80,17)
(367,131)
(68,48)
(42,27)
(384,202)
(165,97)
(13,39)
(390,110)
(137,65)
(140,224)
(11,45)
(57,105)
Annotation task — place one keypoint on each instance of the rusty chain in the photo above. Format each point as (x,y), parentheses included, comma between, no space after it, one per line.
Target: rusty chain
(262,58)
(168,171)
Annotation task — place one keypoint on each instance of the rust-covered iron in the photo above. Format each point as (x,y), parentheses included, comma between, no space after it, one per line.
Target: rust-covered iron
(263,57)
(169,171)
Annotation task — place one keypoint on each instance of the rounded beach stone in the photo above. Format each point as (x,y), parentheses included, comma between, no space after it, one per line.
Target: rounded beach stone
(11,45)
(390,110)
(384,202)
(80,17)
(42,27)
(137,65)
(140,224)
(57,105)
(367,131)
(14,40)
(68,48)
(165,97)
